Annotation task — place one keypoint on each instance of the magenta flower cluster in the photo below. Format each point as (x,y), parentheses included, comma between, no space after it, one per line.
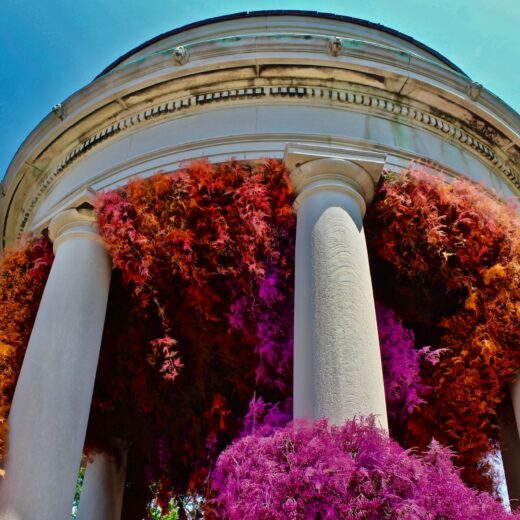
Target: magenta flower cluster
(308,471)
(262,415)
(401,364)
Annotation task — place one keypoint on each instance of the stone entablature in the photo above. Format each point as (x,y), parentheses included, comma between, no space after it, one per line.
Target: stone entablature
(412,105)
(339,102)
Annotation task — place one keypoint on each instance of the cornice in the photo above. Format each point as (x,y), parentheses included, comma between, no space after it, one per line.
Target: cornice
(396,69)
(269,68)
(278,20)
(340,98)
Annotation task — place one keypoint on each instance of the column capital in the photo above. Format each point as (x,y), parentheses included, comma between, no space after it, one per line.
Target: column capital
(324,168)
(73,223)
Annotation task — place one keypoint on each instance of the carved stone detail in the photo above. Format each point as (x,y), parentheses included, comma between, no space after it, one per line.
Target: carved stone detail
(335,46)
(58,111)
(473,90)
(361,100)
(181,55)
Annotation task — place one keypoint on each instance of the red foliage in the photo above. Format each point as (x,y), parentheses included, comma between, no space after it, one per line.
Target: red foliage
(207,256)
(462,243)
(23,273)
(203,318)
(200,314)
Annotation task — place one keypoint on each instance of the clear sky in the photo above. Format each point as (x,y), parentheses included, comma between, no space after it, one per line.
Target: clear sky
(51,48)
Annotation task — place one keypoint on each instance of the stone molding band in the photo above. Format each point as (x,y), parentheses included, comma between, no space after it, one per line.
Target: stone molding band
(341,97)
(334,45)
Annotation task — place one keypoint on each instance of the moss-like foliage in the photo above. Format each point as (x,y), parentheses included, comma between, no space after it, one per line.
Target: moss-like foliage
(311,470)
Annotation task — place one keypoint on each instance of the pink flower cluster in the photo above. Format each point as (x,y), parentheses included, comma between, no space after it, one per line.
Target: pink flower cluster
(401,364)
(266,415)
(355,471)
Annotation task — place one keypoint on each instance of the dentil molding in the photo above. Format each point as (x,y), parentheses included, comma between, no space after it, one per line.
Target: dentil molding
(338,97)
(256,60)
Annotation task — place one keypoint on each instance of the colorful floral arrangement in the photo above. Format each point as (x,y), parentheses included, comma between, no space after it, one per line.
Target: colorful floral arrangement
(23,274)
(313,470)
(197,351)
(206,258)
(404,388)
(454,250)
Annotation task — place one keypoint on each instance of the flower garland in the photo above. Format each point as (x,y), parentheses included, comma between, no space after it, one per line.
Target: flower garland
(23,274)
(311,470)
(461,246)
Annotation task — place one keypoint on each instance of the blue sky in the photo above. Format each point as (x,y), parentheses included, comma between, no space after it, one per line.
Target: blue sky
(51,48)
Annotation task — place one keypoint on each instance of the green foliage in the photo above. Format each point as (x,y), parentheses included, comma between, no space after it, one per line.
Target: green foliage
(156,512)
(79,487)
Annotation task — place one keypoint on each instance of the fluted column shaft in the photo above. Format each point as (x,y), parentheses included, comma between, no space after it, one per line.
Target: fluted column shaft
(337,361)
(51,404)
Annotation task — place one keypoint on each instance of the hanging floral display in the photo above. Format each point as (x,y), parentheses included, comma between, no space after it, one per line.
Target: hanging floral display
(455,249)
(203,318)
(23,274)
(312,470)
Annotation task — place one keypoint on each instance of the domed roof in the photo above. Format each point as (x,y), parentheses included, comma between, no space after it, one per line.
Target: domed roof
(151,45)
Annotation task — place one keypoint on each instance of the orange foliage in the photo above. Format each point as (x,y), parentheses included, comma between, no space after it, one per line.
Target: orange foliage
(23,273)
(464,244)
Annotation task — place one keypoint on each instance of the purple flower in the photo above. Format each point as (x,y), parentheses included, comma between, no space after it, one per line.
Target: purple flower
(266,415)
(401,364)
(309,470)
(267,290)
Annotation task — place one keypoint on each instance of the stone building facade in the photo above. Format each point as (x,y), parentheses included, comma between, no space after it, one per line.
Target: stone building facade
(338,99)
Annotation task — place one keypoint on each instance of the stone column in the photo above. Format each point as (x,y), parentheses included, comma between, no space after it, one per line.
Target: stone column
(509,424)
(103,487)
(514,390)
(51,404)
(337,361)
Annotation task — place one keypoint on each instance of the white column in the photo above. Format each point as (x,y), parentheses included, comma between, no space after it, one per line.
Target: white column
(337,361)
(103,487)
(514,390)
(509,424)
(51,404)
